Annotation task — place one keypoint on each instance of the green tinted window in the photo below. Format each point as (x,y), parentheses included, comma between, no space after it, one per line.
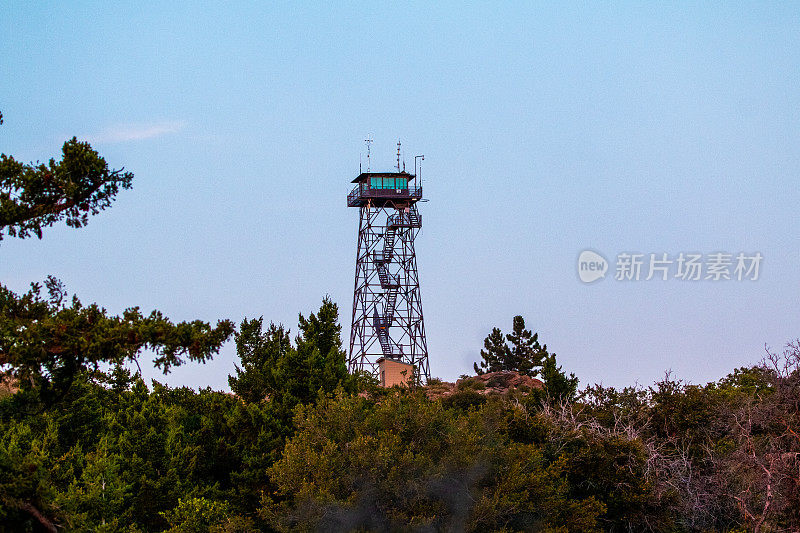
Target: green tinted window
(388,183)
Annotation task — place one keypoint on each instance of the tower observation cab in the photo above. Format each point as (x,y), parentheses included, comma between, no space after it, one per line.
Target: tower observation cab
(382,187)
(387,308)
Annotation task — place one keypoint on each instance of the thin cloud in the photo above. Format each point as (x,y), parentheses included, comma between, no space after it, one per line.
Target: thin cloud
(136,132)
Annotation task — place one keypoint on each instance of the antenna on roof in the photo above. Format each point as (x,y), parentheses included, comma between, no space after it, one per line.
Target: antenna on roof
(359,162)
(420,168)
(368,140)
(398,155)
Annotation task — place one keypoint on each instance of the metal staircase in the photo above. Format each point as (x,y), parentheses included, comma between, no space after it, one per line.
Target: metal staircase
(391,285)
(388,308)
(407,219)
(382,331)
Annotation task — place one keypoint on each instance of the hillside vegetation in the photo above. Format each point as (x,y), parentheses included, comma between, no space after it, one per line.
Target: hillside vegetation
(320,454)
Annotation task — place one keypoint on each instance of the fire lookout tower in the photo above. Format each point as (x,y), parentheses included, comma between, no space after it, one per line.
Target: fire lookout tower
(387,309)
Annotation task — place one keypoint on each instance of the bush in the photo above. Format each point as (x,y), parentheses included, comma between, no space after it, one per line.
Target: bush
(464,399)
(471,383)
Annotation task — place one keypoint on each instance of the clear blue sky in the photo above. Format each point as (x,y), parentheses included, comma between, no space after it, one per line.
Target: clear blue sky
(547,129)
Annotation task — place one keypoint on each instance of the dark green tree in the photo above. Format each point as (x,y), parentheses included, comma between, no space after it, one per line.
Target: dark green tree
(319,346)
(519,351)
(525,354)
(259,352)
(291,374)
(35,196)
(494,354)
(323,331)
(46,342)
(557,385)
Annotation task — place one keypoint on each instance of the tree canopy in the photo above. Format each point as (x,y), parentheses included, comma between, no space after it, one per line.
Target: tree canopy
(285,374)
(520,351)
(46,341)
(36,195)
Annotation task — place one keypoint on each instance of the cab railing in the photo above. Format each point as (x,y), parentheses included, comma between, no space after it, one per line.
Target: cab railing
(362,191)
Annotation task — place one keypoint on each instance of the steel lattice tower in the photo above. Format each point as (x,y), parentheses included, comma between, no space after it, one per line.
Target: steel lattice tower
(387,309)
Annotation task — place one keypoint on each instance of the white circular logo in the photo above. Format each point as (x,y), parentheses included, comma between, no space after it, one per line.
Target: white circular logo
(591,266)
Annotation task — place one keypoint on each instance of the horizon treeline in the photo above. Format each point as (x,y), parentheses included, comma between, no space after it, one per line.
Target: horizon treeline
(304,446)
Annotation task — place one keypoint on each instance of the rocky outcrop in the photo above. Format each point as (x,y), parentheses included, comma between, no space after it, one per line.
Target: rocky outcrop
(491,383)
(8,386)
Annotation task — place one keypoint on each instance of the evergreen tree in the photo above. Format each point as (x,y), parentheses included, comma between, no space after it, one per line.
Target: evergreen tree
(558,386)
(45,342)
(322,330)
(495,355)
(286,374)
(319,345)
(523,355)
(520,351)
(35,196)
(259,352)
